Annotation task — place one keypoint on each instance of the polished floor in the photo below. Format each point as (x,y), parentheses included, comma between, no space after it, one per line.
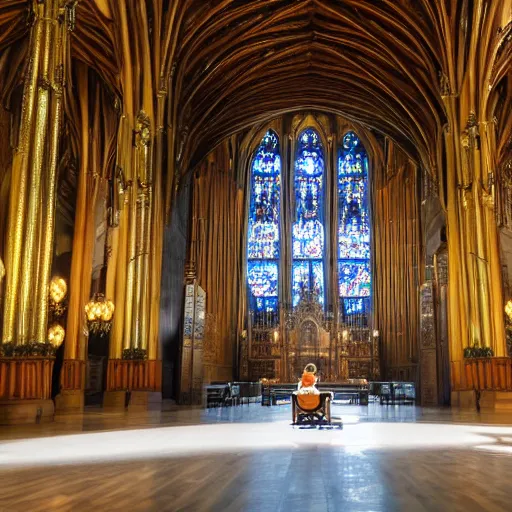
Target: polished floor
(249,458)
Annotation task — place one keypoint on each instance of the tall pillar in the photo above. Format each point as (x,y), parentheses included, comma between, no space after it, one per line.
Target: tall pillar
(72,375)
(133,360)
(25,380)
(475,298)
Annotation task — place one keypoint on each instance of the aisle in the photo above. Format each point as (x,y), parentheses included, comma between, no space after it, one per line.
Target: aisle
(251,458)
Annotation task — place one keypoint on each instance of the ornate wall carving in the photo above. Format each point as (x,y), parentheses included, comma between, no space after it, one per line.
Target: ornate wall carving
(428,361)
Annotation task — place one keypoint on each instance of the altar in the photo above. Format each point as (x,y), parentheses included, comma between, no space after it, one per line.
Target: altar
(279,345)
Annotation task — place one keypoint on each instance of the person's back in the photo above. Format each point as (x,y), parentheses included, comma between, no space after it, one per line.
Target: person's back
(307,384)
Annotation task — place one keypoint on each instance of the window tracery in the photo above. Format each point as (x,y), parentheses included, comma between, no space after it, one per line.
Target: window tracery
(308,228)
(354,274)
(308,237)
(263,245)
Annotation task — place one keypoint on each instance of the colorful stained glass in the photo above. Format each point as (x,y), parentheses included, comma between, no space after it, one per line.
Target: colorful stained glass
(318,281)
(307,281)
(353,160)
(355,278)
(354,306)
(262,277)
(263,236)
(308,235)
(266,304)
(263,240)
(308,230)
(353,224)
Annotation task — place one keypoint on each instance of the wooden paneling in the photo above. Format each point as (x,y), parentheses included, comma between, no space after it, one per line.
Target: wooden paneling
(482,374)
(134,375)
(29,378)
(72,374)
(397,263)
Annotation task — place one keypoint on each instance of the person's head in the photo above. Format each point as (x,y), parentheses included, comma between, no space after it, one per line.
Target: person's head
(310,368)
(308,379)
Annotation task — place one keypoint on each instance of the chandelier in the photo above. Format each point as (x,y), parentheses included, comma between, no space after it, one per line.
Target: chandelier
(58,291)
(99,312)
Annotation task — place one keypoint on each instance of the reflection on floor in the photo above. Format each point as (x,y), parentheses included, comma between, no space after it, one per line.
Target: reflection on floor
(251,458)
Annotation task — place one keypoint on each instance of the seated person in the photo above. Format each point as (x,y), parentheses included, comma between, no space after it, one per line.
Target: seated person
(307,383)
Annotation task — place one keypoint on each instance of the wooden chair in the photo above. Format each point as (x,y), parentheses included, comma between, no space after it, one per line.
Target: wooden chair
(312,409)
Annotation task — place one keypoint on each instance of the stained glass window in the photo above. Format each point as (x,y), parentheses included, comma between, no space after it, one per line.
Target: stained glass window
(263,243)
(355,278)
(308,228)
(353,226)
(307,281)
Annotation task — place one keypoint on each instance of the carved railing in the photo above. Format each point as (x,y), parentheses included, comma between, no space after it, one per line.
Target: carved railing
(134,375)
(26,379)
(482,374)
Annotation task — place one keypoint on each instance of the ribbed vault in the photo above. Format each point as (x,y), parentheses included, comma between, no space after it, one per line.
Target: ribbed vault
(229,64)
(376,63)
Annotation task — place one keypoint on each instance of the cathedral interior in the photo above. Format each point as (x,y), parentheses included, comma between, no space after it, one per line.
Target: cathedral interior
(200,198)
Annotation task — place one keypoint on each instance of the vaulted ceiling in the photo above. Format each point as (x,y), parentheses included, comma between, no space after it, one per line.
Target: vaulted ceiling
(375,62)
(237,62)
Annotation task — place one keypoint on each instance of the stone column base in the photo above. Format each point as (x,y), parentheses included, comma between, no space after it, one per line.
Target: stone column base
(145,400)
(15,412)
(114,400)
(496,401)
(134,400)
(464,399)
(70,400)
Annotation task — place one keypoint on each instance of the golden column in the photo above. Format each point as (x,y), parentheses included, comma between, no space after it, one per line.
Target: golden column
(140,305)
(471,95)
(475,282)
(32,201)
(133,363)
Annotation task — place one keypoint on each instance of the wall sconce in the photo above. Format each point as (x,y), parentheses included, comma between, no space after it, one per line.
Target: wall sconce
(99,313)
(376,334)
(508,309)
(276,336)
(56,334)
(345,335)
(57,291)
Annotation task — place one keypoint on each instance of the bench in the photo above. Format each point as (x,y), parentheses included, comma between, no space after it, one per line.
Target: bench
(216,395)
(281,393)
(311,409)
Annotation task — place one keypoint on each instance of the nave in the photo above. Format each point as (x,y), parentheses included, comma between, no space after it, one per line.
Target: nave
(385,458)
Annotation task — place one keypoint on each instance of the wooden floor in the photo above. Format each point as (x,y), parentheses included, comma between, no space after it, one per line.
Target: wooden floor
(251,458)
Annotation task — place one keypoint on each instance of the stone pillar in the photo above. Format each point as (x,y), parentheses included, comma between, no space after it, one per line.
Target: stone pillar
(26,358)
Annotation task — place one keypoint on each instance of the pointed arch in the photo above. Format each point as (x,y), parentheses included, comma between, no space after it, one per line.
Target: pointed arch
(264,238)
(308,233)
(354,271)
